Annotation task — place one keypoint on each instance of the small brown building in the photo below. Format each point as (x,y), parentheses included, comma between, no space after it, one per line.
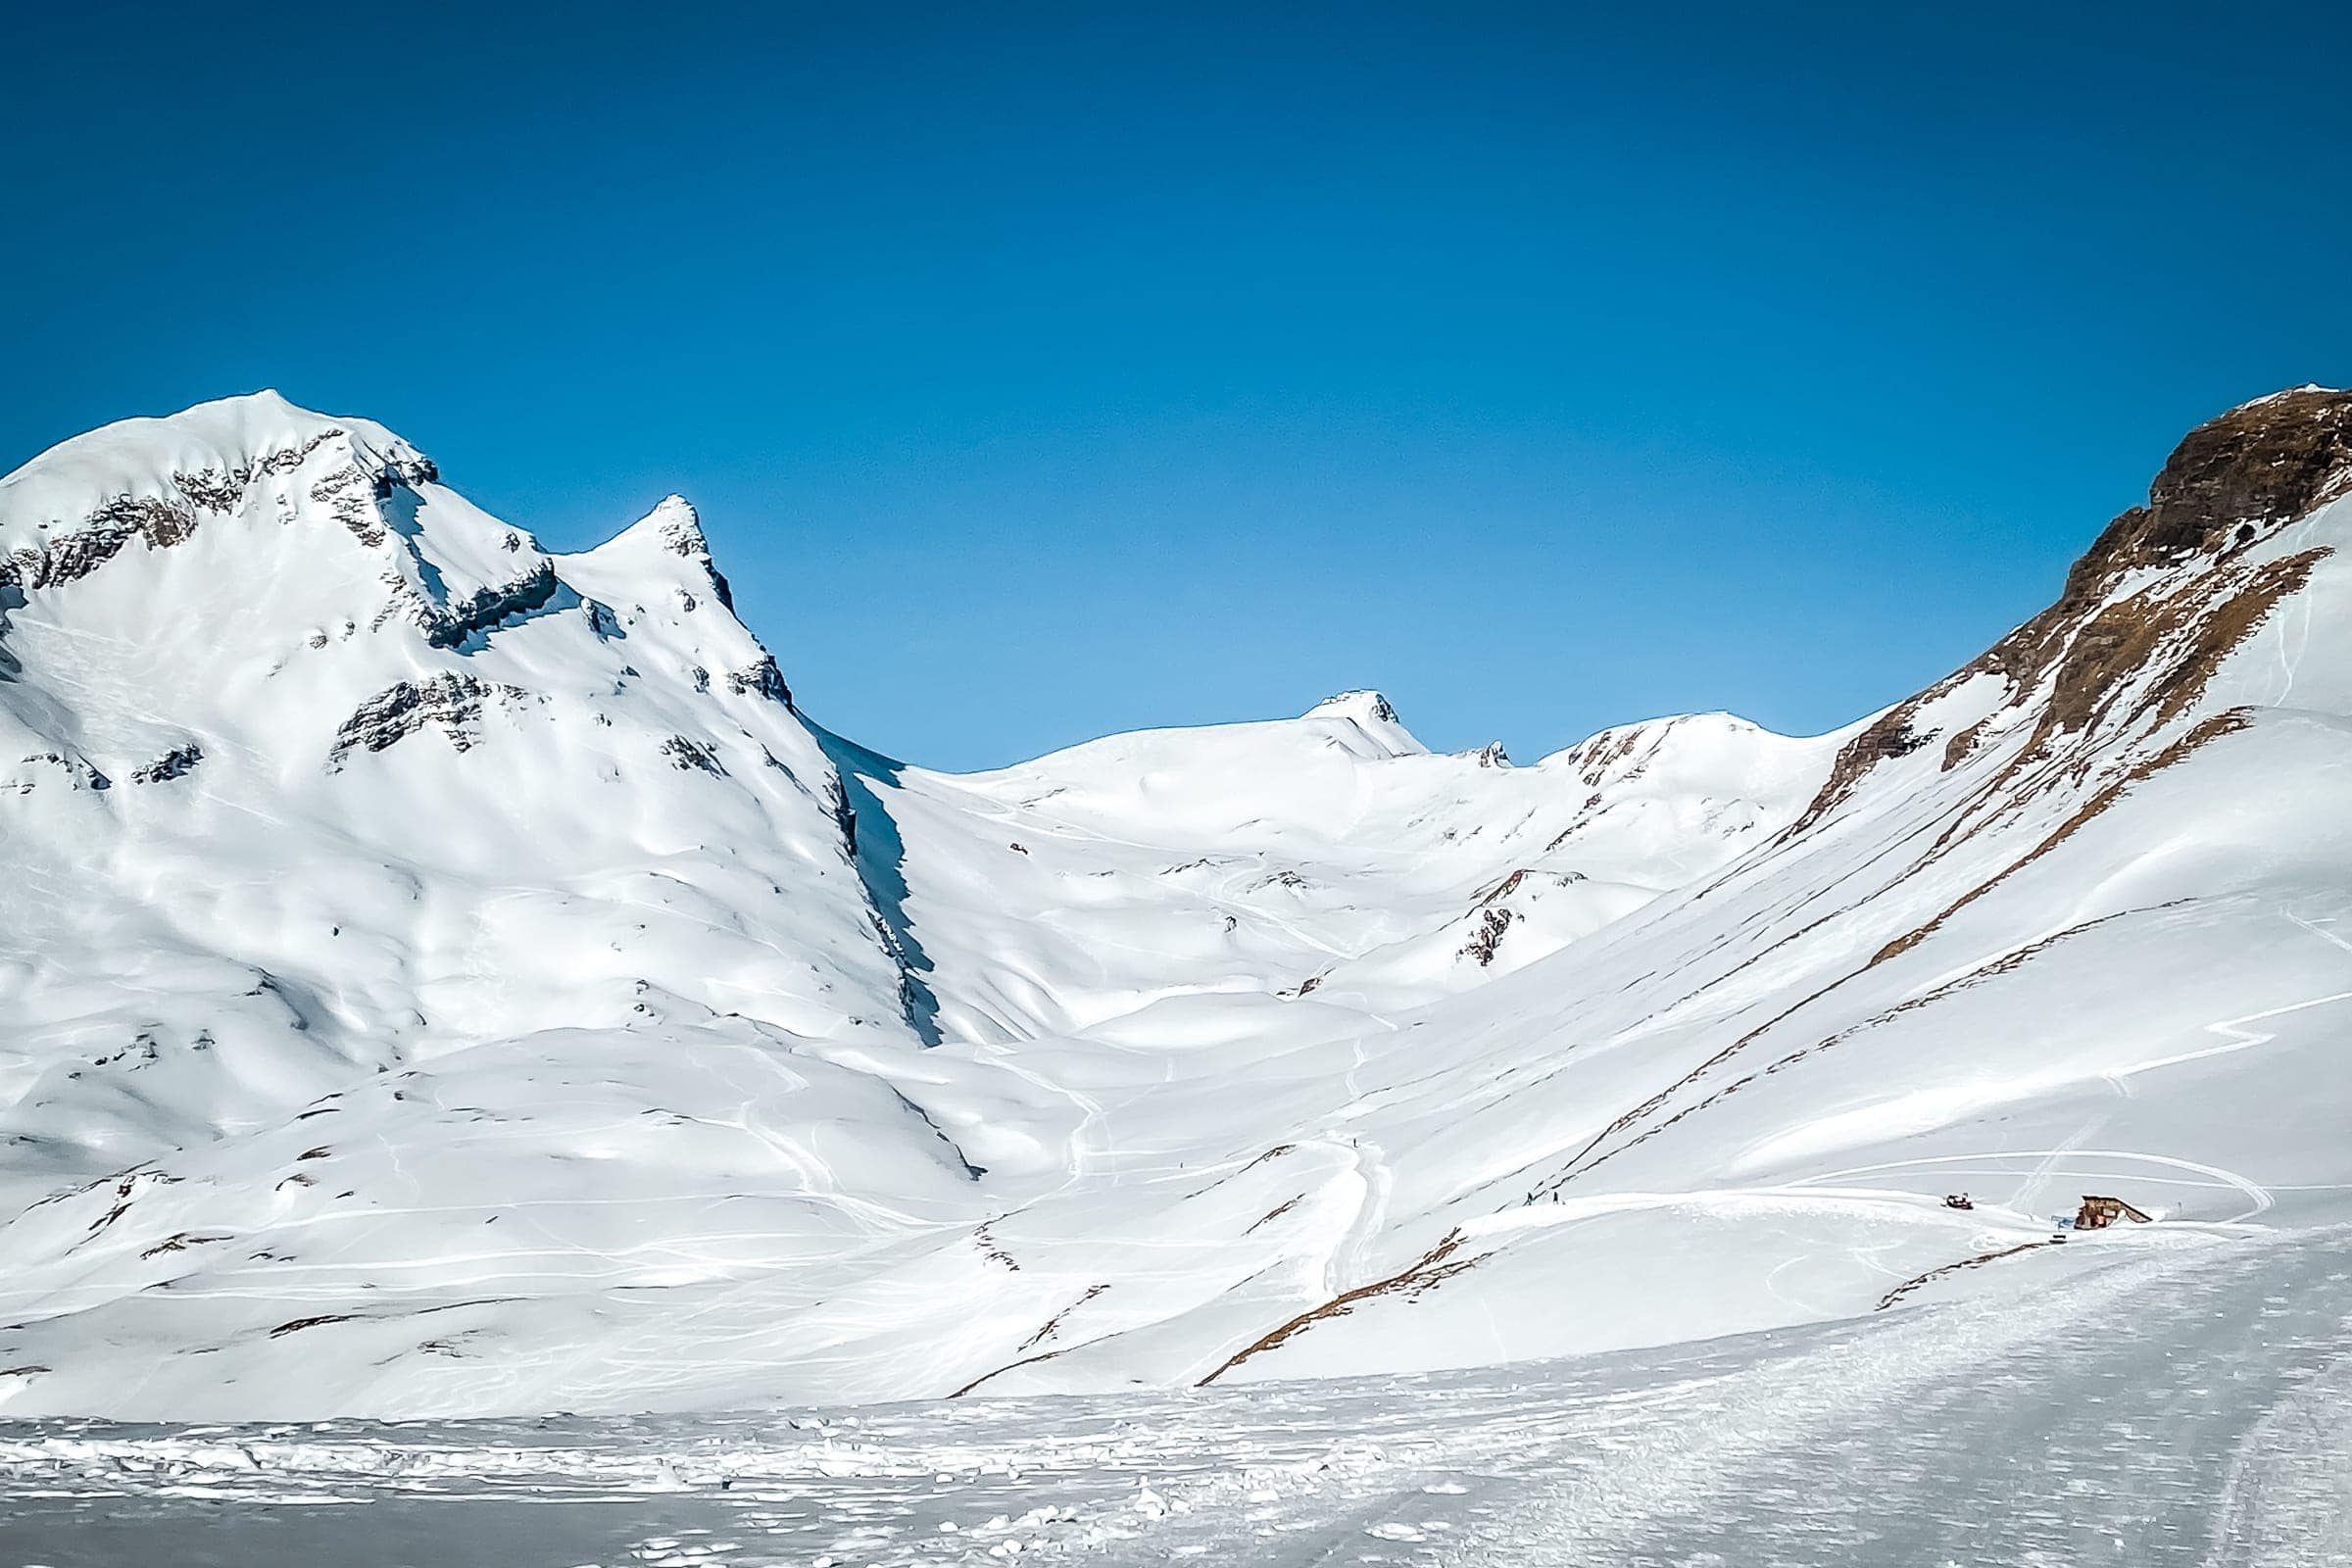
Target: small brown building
(2097,1213)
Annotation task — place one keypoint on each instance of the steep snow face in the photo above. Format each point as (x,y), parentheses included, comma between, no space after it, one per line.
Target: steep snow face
(483,998)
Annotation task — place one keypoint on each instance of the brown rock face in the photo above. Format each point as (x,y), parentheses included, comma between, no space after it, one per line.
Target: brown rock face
(2274,458)
(450,702)
(762,678)
(70,557)
(2270,461)
(2229,482)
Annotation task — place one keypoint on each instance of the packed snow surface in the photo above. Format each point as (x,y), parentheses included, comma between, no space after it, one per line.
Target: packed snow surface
(447,981)
(2183,1405)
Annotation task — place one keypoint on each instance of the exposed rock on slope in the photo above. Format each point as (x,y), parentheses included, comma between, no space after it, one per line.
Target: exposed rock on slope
(2230,484)
(451,702)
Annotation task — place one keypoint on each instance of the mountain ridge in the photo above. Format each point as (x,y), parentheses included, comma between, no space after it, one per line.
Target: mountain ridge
(460,972)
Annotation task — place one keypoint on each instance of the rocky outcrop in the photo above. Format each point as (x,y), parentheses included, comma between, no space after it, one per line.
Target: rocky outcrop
(159,521)
(346,494)
(452,702)
(1374,706)
(1485,938)
(762,679)
(2095,659)
(178,763)
(681,533)
(446,626)
(2270,461)
(354,493)
(2228,484)
(399,473)
(70,557)
(1889,735)
(223,489)
(76,772)
(686,755)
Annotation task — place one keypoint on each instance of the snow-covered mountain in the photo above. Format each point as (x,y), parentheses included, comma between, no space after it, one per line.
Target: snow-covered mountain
(441,976)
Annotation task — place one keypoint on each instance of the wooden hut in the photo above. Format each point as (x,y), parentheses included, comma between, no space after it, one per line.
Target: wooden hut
(2097,1213)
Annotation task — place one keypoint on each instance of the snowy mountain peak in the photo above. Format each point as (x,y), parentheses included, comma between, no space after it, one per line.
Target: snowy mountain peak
(1363,705)
(1491,755)
(156,481)
(672,530)
(674,526)
(309,721)
(1372,717)
(249,431)
(1721,746)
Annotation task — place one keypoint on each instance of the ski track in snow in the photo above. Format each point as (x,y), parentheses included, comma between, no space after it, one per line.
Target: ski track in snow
(2236,1038)
(2180,1408)
(2258,1198)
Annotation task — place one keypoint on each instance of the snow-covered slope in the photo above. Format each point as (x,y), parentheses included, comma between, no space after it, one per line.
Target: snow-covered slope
(1161,886)
(311,775)
(445,977)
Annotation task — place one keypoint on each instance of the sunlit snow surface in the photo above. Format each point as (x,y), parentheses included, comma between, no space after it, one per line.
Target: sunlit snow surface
(2183,1405)
(443,982)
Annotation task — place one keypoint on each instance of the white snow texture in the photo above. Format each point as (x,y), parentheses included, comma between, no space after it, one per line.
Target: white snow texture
(447,979)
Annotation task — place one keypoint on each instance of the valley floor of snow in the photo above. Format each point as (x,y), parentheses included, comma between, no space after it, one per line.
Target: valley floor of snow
(2113,1402)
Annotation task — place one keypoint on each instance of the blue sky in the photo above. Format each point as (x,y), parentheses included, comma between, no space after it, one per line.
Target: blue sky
(1046,371)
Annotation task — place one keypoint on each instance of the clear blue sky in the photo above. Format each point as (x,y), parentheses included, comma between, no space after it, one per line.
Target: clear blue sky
(1042,372)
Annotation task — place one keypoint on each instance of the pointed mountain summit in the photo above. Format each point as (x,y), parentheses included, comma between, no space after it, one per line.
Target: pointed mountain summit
(645,548)
(1373,717)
